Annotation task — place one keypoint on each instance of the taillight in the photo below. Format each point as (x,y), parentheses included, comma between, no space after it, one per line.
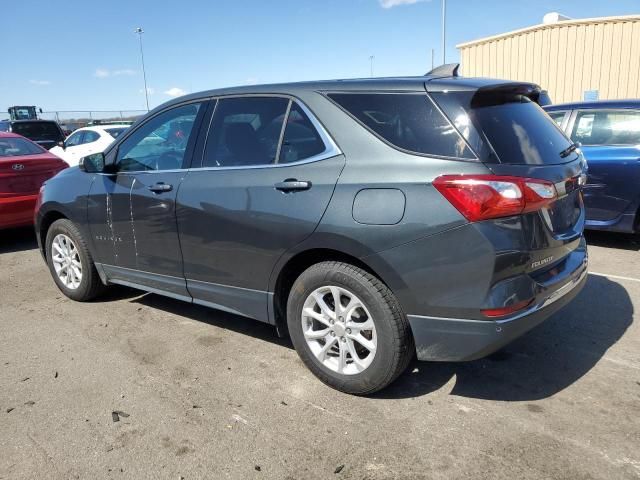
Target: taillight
(501,312)
(480,197)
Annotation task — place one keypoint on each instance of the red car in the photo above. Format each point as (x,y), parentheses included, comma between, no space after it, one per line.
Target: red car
(24,167)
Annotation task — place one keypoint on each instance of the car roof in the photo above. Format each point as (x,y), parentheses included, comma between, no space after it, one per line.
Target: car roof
(389,84)
(595,104)
(9,135)
(101,128)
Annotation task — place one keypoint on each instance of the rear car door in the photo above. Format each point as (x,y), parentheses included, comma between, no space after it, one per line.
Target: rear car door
(611,144)
(264,179)
(135,207)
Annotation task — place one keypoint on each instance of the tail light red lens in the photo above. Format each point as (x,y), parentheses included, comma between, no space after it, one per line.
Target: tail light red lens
(481,197)
(501,312)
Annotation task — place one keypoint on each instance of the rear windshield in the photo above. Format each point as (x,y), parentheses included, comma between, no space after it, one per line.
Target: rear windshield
(114,132)
(14,147)
(514,132)
(408,121)
(37,130)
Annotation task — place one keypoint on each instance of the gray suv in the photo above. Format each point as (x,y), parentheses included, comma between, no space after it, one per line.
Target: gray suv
(370,220)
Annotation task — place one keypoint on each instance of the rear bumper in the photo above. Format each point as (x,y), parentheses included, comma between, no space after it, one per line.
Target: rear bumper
(450,339)
(17,211)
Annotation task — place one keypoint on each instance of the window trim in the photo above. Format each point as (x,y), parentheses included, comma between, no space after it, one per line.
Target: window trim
(578,111)
(388,143)
(331,148)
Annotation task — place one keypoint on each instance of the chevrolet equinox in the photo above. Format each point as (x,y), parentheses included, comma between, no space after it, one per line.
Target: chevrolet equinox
(370,220)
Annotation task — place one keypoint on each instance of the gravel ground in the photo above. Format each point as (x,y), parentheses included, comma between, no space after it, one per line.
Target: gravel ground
(203,394)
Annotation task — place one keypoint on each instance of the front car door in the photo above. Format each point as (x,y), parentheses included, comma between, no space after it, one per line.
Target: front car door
(611,144)
(134,209)
(261,186)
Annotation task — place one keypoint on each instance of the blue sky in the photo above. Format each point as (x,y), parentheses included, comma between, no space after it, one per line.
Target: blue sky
(79,55)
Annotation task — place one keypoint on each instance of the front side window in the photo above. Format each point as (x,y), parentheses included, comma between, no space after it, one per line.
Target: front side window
(602,127)
(161,143)
(74,139)
(245,131)
(408,121)
(14,147)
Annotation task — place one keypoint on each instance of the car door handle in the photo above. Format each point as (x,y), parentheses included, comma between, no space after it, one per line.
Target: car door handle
(161,187)
(292,185)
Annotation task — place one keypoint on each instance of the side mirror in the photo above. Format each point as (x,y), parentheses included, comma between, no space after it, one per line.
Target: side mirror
(62,145)
(93,163)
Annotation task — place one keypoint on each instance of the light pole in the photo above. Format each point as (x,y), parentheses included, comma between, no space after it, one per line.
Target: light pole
(444,31)
(139,31)
(371,57)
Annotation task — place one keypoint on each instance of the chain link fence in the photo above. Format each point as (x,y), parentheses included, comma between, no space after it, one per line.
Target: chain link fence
(71,120)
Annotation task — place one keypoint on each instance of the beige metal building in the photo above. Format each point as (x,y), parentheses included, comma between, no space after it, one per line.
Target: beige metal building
(594,58)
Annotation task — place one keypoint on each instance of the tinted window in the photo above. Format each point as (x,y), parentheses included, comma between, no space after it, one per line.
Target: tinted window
(301,140)
(114,132)
(74,139)
(505,128)
(408,121)
(13,147)
(4,126)
(607,128)
(38,130)
(245,131)
(557,117)
(160,143)
(90,136)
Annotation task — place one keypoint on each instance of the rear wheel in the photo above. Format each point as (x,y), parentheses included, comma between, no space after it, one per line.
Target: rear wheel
(70,262)
(348,328)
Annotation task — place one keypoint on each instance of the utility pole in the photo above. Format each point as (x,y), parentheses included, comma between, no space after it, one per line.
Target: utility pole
(444,31)
(371,57)
(433,56)
(139,31)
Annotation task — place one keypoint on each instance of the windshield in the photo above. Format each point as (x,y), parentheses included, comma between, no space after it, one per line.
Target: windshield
(114,132)
(14,147)
(37,130)
(513,132)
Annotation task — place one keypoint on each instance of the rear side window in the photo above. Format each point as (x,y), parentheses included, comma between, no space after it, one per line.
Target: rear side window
(245,131)
(90,136)
(512,130)
(613,127)
(557,117)
(407,121)
(301,140)
(114,132)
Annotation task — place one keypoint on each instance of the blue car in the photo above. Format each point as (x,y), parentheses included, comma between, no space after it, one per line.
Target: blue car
(609,132)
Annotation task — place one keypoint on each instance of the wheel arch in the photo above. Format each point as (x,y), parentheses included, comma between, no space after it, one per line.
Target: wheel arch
(47,219)
(297,264)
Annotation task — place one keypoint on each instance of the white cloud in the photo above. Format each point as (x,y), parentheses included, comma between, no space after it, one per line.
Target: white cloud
(40,82)
(104,73)
(395,3)
(175,92)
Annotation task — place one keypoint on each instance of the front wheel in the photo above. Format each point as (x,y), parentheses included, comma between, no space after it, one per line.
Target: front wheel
(70,262)
(348,328)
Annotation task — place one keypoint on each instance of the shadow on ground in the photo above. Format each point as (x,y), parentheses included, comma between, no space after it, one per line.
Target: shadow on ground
(621,241)
(17,240)
(543,362)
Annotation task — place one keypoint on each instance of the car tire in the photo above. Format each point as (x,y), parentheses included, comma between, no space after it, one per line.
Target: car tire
(388,335)
(66,250)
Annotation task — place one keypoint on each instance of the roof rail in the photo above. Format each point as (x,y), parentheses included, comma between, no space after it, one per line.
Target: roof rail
(446,70)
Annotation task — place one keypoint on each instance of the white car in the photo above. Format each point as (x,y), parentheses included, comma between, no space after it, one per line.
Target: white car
(86,141)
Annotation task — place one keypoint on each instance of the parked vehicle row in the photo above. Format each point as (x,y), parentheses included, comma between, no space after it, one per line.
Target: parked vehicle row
(24,167)
(371,220)
(86,141)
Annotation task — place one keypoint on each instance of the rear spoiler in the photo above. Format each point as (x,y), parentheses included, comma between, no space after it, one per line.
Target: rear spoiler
(508,93)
